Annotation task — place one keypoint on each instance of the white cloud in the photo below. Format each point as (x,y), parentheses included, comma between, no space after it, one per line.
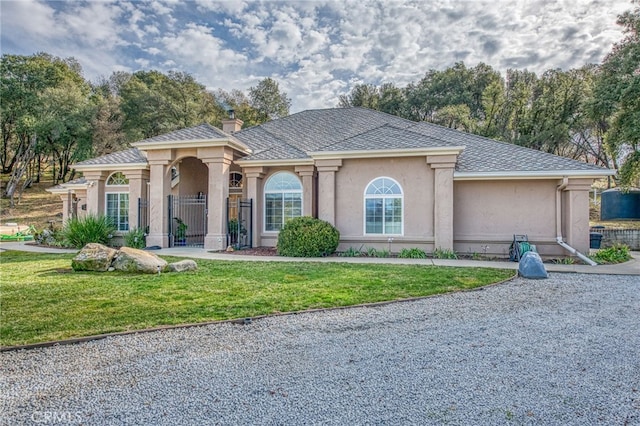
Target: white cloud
(151,29)
(29,19)
(315,49)
(144,63)
(197,50)
(94,24)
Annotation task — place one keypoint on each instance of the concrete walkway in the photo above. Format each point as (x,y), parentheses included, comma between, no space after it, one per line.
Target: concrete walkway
(631,267)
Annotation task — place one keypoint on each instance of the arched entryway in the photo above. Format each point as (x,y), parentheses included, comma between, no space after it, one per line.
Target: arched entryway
(188,203)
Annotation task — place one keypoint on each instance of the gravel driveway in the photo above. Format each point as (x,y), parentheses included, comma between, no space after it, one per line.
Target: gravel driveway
(560,351)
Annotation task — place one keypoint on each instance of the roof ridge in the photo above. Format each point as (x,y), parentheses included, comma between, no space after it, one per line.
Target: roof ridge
(355,136)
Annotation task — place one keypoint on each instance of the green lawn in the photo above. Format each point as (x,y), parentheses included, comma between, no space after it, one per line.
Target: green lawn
(42,299)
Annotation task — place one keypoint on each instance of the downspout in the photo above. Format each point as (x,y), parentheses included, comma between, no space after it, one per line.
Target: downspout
(559,238)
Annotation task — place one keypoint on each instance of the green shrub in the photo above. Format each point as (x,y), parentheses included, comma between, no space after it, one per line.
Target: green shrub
(617,253)
(352,252)
(135,238)
(413,253)
(373,252)
(89,229)
(307,237)
(444,254)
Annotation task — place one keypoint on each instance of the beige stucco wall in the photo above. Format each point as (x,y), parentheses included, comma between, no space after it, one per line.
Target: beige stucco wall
(416,179)
(489,213)
(193,177)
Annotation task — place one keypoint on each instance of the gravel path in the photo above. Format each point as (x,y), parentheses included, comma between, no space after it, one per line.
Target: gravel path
(560,351)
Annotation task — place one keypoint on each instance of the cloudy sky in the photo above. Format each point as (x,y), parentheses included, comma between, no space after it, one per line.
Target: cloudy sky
(316,50)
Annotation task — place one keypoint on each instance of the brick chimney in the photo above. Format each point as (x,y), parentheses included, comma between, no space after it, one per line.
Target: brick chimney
(232,124)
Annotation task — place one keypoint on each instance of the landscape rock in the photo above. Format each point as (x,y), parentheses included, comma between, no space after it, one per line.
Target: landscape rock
(94,257)
(134,260)
(531,266)
(182,266)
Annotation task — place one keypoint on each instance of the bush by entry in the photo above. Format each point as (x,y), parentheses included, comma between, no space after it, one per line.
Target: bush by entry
(307,237)
(43,299)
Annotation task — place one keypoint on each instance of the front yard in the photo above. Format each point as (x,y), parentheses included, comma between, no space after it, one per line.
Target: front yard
(42,299)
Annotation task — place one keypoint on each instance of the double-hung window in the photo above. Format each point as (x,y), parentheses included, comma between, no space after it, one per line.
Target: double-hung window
(383,202)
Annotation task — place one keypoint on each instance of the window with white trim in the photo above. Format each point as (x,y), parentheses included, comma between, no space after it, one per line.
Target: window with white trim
(383,205)
(117,200)
(282,200)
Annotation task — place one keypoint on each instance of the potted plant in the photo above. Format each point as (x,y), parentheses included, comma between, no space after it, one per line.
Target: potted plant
(181,232)
(235,231)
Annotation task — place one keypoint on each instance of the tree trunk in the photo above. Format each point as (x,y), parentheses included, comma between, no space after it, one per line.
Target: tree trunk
(20,169)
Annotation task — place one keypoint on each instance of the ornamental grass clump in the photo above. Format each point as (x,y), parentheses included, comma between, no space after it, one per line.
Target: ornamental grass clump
(81,231)
(135,238)
(617,253)
(307,237)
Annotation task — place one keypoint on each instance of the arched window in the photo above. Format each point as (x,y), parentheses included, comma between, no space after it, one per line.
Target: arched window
(235,180)
(282,200)
(117,200)
(383,207)
(117,178)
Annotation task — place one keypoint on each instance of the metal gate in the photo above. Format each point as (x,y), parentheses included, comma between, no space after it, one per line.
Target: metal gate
(239,220)
(187,220)
(143,215)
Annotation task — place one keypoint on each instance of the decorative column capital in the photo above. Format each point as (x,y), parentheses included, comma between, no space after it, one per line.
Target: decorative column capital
(308,170)
(442,161)
(328,165)
(254,172)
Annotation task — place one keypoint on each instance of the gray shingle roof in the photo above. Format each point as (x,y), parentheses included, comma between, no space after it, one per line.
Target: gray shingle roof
(387,137)
(353,129)
(359,129)
(487,155)
(65,186)
(313,130)
(200,132)
(129,156)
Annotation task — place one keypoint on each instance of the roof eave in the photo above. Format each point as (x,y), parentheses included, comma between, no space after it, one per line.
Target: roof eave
(386,153)
(195,143)
(274,163)
(67,187)
(537,174)
(111,166)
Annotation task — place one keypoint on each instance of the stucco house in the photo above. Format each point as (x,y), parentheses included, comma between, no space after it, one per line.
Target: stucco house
(383,181)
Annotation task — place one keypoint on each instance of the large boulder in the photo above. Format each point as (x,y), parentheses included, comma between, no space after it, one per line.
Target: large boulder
(531,266)
(94,257)
(134,260)
(182,266)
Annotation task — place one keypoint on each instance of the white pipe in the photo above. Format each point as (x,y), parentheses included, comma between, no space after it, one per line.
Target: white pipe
(559,238)
(571,250)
